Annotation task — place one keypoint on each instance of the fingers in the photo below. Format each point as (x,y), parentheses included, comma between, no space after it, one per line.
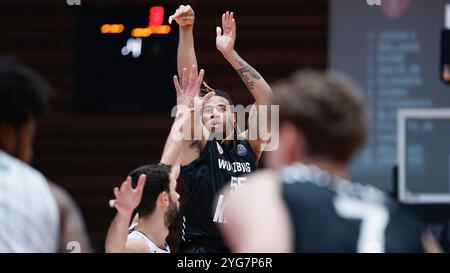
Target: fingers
(228,23)
(141,183)
(186,10)
(176,14)
(200,79)
(218,31)
(181,12)
(172,17)
(233,27)
(112,203)
(116,192)
(192,77)
(125,188)
(184,79)
(190,84)
(122,186)
(224,21)
(176,83)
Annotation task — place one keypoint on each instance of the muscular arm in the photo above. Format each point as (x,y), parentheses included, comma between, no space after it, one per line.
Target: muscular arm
(258,87)
(116,238)
(225,41)
(185,17)
(186,51)
(127,199)
(186,58)
(174,145)
(190,106)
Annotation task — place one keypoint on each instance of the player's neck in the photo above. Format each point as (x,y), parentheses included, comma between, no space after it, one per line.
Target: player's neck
(333,168)
(154,228)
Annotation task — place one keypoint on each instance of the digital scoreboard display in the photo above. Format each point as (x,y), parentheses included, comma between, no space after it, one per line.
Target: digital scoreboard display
(125,59)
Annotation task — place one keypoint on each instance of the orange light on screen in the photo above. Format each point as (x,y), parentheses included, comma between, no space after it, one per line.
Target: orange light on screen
(112,28)
(156,17)
(164,29)
(146,32)
(141,32)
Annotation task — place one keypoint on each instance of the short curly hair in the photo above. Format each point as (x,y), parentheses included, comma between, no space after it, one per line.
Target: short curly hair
(23,93)
(205,89)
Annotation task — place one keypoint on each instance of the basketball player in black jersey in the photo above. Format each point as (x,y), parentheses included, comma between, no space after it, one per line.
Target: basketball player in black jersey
(154,195)
(308,204)
(223,156)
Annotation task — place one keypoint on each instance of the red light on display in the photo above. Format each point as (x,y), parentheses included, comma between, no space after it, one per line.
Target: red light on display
(156,16)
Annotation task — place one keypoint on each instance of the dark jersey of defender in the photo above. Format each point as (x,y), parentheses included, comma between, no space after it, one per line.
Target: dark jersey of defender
(339,216)
(218,166)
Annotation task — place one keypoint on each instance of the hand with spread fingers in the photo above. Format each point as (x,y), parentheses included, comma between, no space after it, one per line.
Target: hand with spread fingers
(127,198)
(226,36)
(189,87)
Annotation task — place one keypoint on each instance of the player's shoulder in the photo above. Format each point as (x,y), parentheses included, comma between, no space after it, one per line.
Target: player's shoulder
(14,167)
(313,178)
(136,245)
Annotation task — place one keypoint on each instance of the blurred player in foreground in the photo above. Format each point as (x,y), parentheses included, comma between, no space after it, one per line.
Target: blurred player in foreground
(307,203)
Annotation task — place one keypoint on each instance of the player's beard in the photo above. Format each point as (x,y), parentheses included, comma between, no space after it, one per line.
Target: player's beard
(171,214)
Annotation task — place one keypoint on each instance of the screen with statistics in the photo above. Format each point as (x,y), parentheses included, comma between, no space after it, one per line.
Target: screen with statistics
(425,159)
(393,52)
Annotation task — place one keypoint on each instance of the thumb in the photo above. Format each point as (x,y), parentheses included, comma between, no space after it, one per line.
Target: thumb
(218,31)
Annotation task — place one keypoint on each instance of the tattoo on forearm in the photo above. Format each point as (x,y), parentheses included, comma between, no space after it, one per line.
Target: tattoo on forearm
(248,74)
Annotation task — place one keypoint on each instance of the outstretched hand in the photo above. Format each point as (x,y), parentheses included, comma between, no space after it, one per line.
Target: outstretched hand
(127,198)
(188,88)
(226,36)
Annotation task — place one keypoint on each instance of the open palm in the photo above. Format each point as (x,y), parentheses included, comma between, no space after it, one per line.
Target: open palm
(226,36)
(127,198)
(189,87)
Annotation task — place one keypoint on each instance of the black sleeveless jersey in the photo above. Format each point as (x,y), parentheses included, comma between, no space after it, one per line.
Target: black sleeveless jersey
(339,216)
(218,165)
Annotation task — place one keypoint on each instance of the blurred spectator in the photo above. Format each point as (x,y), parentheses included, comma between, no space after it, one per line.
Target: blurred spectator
(31,218)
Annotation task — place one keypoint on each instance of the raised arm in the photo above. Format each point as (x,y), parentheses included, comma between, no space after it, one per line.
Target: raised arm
(225,41)
(185,18)
(174,145)
(127,199)
(188,127)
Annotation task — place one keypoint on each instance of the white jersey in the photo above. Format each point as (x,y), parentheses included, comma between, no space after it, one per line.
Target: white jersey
(151,245)
(29,217)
